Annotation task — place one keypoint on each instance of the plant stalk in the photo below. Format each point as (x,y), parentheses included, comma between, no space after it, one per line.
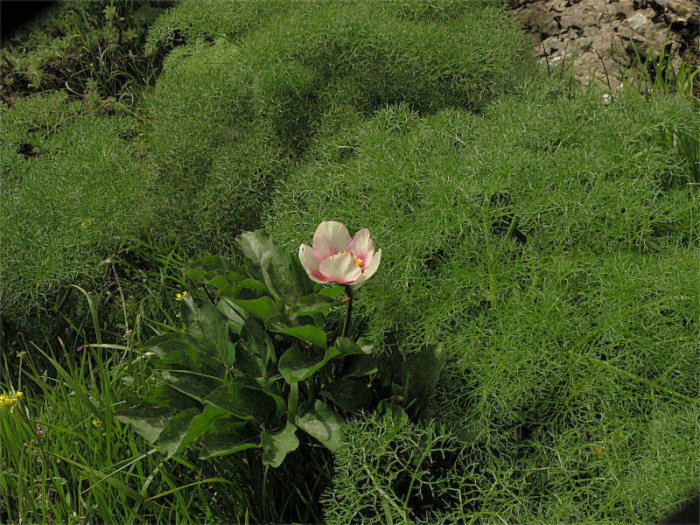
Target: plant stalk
(348,310)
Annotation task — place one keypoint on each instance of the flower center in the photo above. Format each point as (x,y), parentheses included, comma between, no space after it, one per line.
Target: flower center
(358,262)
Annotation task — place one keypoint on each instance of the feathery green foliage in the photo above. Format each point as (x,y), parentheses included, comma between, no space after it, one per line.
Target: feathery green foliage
(194,21)
(551,247)
(381,476)
(549,242)
(229,116)
(461,198)
(73,187)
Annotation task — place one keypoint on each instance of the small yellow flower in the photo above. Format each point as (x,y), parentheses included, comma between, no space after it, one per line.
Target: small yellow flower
(181,296)
(86,223)
(96,423)
(10,402)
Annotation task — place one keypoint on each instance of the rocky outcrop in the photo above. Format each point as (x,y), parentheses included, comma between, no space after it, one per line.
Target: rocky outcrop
(601,39)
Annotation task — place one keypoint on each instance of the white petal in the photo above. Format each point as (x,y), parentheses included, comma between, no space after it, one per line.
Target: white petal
(340,268)
(308,261)
(359,280)
(330,238)
(373,265)
(361,245)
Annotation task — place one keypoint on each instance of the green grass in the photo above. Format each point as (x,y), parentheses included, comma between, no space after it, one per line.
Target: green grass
(86,466)
(573,175)
(65,459)
(222,127)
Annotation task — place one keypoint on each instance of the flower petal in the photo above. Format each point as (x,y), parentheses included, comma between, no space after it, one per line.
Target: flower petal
(308,261)
(330,238)
(361,245)
(340,268)
(373,265)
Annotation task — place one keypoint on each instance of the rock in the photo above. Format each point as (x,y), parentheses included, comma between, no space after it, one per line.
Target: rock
(534,18)
(601,39)
(637,21)
(559,5)
(683,11)
(550,45)
(570,20)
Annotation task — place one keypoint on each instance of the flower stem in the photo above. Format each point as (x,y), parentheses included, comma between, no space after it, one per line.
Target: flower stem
(348,310)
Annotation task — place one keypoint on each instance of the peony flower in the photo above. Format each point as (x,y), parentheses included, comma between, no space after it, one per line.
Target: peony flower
(337,258)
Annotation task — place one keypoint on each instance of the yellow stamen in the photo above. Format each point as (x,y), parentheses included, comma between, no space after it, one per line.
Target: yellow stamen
(358,262)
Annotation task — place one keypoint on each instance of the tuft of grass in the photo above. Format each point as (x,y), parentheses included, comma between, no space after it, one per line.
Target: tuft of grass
(66,459)
(93,50)
(655,72)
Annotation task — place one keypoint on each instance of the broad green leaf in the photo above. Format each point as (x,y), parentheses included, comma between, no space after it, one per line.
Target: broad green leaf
(257,354)
(201,423)
(166,397)
(395,416)
(264,307)
(219,282)
(347,347)
(196,386)
(359,366)
(215,271)
(271,387)
(245,289)
(255,245)
(235,314)
(311,304)
(283,275)
(324,424)
(245,400)
(307,333)
(350,395)
(280,322)
(277,446)
(171,342)
(333,291)
(174,432)
(227,436)
(147,421)
(205,323)
(295,365)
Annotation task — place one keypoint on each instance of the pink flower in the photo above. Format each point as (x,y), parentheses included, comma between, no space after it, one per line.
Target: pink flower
(336,258)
